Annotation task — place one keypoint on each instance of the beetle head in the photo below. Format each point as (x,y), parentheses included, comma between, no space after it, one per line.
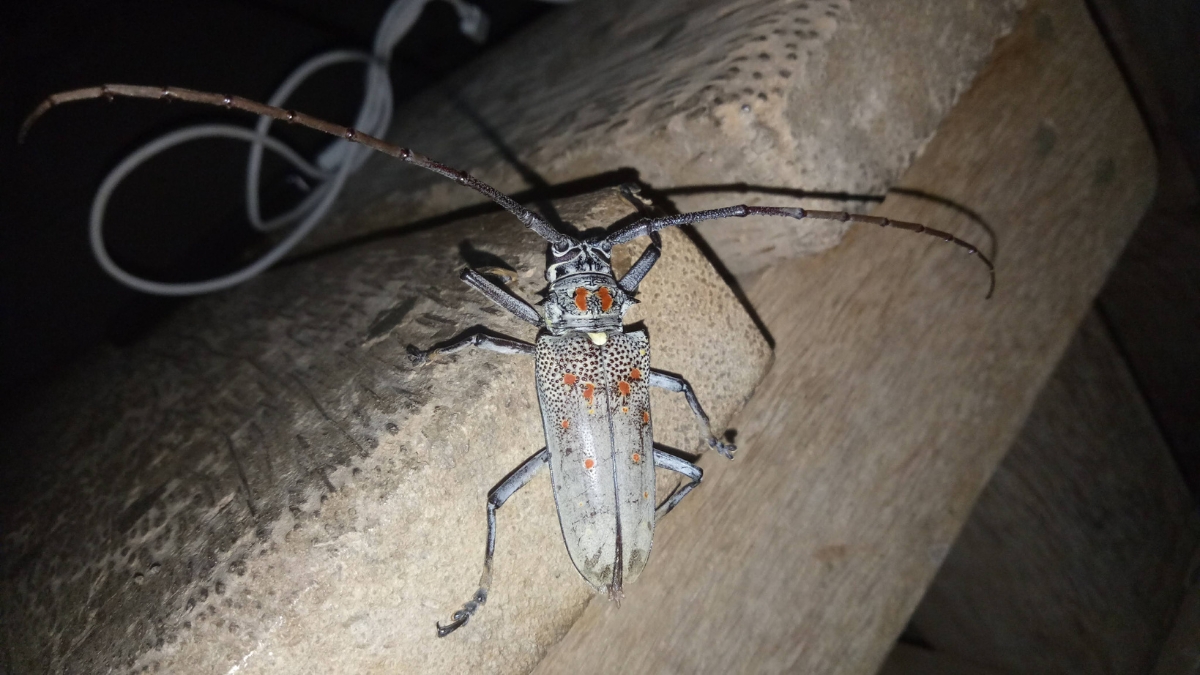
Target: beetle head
(584,295)
(579,257)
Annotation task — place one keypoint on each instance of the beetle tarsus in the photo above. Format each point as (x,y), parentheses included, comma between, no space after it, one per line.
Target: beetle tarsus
(462,616)
(418,357)
(726,449)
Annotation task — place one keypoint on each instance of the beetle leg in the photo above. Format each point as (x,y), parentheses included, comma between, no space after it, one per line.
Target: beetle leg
(668,461)
(523,310)
(496,498)
(678,384)
(629,283)
(501,345)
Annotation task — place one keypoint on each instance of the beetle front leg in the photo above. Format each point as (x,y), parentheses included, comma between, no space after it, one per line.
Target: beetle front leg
(496,498)
(678,384)
(500,345)
(670,462)
(514,305)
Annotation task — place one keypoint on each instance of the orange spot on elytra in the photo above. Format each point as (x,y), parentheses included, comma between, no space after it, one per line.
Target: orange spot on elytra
(635,374)
(581,294)
(589,390)
(566,424)
(589,463)
(605,298)
(623,387)
(645,417)
(636,458)
(569,379)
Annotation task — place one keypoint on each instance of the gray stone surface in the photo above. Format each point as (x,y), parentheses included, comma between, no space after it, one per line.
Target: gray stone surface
(267,485)
(818,95)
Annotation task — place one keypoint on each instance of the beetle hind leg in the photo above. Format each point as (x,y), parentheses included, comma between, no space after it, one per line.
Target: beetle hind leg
(666,460)
(496,498)
(677,384)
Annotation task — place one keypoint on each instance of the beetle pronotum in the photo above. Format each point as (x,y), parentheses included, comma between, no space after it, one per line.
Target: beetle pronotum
(593,377)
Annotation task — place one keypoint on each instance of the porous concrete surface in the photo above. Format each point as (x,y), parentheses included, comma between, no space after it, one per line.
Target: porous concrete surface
(266,484)
(715,102)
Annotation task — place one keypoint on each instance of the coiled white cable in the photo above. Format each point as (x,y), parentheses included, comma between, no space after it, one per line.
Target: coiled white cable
(333,166)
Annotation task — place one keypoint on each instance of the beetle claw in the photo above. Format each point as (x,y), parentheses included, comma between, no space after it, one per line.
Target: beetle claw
(418,357)
(460,619)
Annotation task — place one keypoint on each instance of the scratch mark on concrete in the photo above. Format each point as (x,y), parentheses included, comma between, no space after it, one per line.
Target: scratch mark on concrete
(317,404)
(242,474)
(266,446)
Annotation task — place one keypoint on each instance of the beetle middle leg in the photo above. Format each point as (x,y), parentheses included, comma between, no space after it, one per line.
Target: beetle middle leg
(666,460)
(500,345)
(678,384)
(496,498)
(518,307)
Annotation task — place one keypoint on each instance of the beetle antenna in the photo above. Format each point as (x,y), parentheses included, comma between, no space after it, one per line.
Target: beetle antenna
(108,91)
(647,226)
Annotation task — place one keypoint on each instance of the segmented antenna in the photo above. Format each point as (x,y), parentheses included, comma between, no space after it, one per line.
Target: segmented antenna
(533,221)
(110,91)
(648,226)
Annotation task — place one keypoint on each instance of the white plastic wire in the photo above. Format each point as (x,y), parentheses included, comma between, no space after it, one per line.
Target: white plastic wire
(333,166)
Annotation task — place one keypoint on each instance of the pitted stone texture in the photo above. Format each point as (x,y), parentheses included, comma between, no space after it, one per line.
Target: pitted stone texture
(820,95)
(267,485)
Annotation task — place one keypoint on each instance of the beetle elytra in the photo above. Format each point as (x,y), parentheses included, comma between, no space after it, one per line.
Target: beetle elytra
(592,376)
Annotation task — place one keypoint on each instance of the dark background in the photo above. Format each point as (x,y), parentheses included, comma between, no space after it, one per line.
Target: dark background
(181,217)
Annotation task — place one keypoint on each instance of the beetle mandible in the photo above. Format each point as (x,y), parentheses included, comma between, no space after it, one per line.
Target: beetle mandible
(592,376)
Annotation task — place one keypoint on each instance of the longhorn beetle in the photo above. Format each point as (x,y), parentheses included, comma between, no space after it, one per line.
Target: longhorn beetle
(593,377)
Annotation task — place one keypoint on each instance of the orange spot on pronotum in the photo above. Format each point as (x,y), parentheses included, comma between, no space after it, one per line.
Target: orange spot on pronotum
(605,298)
(645,417)
(589,390)
(589,463)
(581,294)
(569,379)
(637,458)
(635,374)
(623,387)
(566,424)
